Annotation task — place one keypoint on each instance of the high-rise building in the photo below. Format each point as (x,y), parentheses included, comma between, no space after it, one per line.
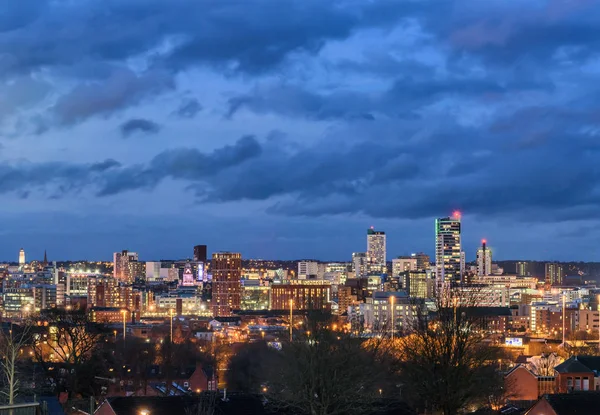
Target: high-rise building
(200,253)
(22,257)
(447,250)
(415,283)
(359,264)
(124,271)
(101,291)
(523,269)
(423,260)
(484,260)
(402,264)
(376,251)
(307,269)
(554,273)
(226,270)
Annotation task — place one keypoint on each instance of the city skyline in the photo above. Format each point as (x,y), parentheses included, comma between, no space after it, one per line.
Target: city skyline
(271,131)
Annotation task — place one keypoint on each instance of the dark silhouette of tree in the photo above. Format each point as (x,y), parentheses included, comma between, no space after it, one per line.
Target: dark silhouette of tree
(326,372)
(12,343)
(248,368)
(70,342)
(445,362)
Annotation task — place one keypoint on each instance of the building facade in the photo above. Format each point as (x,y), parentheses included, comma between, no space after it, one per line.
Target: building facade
(226,286)
(484,260)
(376,251)
(448,250)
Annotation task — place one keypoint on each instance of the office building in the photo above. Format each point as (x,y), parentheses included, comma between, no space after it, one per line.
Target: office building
(417,284)
(200,253)
(255,296)
(523,269)
(44,297)
(359,264)
(22,257)
(307,269)
(376,251)
(448,250)
(554,273)
(304,294)
(423,261)
(383,308)
(226,270)
(403,264)
(484,260)
(102,291)
(126,266)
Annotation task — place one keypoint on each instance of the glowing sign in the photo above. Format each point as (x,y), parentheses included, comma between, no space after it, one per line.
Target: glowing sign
(513,342)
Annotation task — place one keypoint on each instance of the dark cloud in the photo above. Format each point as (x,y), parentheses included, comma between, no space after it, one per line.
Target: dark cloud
(251,36)
(188,108)
(121,89)
(140,125)
(180,164)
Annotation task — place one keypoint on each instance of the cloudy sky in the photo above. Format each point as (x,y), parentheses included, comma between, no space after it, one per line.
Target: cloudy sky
(285,128)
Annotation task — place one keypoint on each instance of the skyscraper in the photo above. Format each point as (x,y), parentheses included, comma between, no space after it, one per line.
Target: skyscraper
(402,264)
(484,260)
(22,257)
(447,250)
(554,273)
(123,268)
(200,253)
(376,251)
(359,264)
(226,287)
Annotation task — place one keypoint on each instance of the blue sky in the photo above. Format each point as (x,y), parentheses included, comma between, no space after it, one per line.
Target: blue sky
(284,129)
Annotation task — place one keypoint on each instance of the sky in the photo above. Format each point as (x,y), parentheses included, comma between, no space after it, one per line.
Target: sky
(284,129)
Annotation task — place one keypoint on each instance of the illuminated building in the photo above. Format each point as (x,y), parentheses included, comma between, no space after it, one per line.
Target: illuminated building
(254,296)
(307,269)
(226,270)
(447,250)
(101,291)
(402,264)
(417,284)
(305,294)
(18,301)
(126,266)
(188,278)
(484,260)
(21,257)
(554,273)
(378,310)
(523,269)
(359,264)
(376,251)
(108,315)
(44,297)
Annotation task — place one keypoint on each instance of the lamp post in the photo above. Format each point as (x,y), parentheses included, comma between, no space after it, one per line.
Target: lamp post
(392,306)
(291,317)
(598,322)
(171,315)
(124,312)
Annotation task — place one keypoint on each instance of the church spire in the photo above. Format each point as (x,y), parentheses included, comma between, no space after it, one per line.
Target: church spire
(45,264)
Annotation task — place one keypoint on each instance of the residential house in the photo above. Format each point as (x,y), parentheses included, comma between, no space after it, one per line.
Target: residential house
(578,373)
(567,404)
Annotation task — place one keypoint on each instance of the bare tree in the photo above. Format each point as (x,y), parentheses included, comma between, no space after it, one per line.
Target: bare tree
(446,363)
(544,365)
(11,345)
(326,372)
(206,404)
(71,341)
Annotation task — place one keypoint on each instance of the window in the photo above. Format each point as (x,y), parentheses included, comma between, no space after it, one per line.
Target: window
(569,383)
(586,384)
(577,383)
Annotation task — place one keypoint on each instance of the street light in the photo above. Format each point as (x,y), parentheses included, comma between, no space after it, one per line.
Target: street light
(291,318)
(124,312)
(598,322)
(392,306)
(171,315)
